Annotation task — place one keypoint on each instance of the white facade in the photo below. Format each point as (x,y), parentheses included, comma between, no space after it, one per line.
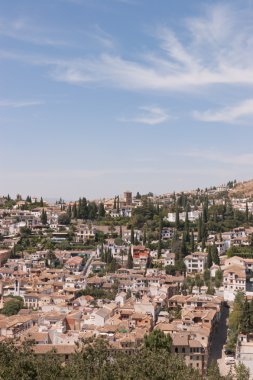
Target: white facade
(234,280)
(85,233)
(192,216)
(195,262)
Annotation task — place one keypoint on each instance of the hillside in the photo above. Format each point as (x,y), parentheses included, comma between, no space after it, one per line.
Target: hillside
(244,189)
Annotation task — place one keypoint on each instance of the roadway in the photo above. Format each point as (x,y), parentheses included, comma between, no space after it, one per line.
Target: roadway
(217,353)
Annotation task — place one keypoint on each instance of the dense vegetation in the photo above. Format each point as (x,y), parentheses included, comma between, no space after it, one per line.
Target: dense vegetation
(95,361)
(13,305)
(240,320)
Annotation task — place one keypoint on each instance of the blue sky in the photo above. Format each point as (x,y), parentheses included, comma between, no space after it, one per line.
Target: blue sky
(102,96)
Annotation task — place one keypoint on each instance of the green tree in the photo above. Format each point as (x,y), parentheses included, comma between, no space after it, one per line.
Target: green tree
(177,221)
(205,211)
(43,217)
(215,255)
(132,234)
(247,212)
(118,203)
(92,210)
(74,211)
(199,281)
(213,372)
(138,195)
(69,211)
(209,262)
(129,259)
(157,340)
(184,250)
(12,306)
(159,252)
(170,270)
(144,234)
(199,229)
(245,325)
(64,219)
(186,227)
(207,276)
(218,278)
(242,372)
(192,241)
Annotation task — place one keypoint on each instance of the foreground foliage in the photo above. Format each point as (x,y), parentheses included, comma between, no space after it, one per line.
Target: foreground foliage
(94,361)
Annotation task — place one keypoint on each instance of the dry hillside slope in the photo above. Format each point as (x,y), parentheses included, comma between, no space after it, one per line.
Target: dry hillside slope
(244,189)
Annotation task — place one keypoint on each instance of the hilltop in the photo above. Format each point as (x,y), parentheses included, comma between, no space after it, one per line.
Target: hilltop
(244,189)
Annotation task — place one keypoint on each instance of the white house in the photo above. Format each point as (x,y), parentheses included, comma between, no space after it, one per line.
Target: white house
(234,280)
(85,232)
(195,262)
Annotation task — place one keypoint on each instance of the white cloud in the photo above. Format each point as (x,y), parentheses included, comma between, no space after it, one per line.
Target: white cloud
(19,103)
(23,30)
(227,114)
(99,35)
(149,116)
(218,50)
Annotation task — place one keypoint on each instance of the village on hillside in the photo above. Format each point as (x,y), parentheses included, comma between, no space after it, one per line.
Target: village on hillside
(122,268)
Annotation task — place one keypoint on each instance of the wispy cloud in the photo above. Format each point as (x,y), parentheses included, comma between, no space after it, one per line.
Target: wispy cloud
(151,115)
(218,51)
(232,114)
(103,38)
(178,65)
(23,30)
(19,103)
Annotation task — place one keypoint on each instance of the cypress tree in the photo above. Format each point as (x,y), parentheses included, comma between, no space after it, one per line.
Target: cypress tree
(203,244)
(215,255)
(92,210)
(129,259)
(186,227)
(118,204)
(209,262)
(74,211)
(192,241)
(144,235)
(177,221)
(205,210)
(102,255)
(114,204)
(199,229)
(69,211)
(160,238)
(132,234)
(41,202)
(247,212)
(43,217)
(101,210)
(245,322)
(184,251)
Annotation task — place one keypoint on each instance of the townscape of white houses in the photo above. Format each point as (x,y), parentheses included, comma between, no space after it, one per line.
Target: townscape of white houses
(74,285)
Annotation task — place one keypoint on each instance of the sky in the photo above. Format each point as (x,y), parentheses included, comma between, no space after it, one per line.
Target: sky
(102,96)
